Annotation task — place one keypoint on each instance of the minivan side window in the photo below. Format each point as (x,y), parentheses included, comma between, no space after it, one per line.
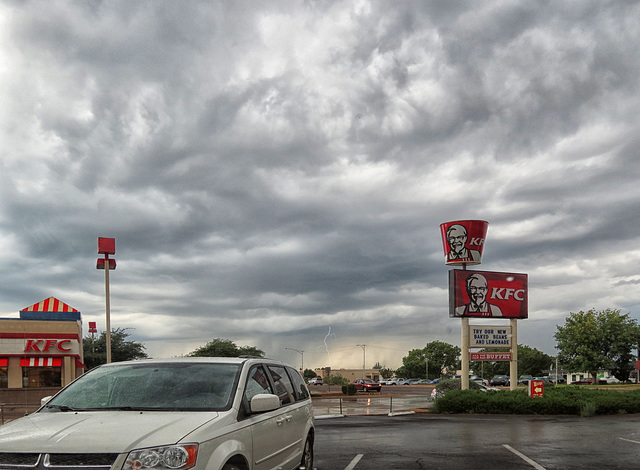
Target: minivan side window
(284,389)
(299,386)
(257,383)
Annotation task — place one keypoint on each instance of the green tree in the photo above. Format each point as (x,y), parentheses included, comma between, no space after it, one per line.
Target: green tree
(532,361)
(225,348)
(95,352)
(335,379)
(598,340)
(441,356)
(309,374)
(386,373)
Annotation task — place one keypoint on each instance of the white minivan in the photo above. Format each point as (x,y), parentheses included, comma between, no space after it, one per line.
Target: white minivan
(170,414)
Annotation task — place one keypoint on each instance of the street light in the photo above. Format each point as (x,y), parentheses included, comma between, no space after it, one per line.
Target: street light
(364,358)
(301,353)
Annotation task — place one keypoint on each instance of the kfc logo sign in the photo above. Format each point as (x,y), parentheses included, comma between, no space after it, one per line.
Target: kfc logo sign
(487,294)
(48,345)
(504,293)
(463,241)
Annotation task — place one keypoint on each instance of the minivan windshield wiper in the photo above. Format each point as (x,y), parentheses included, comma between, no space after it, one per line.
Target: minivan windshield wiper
(61,407)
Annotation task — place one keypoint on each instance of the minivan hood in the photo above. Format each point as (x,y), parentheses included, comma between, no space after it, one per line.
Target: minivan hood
(98,431)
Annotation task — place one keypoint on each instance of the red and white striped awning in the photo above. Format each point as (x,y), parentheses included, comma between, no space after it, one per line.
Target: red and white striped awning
(41,362)
(49,305)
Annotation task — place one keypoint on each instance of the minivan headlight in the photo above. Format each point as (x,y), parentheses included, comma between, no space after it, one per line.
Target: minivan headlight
(180,457)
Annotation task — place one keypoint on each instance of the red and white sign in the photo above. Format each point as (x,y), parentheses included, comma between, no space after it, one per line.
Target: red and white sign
(15,344)
(483,356)
(488,294)
(463,241)
(536,388)
(49,345)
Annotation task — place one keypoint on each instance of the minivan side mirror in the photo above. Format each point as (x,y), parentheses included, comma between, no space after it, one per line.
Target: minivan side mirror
(264,402)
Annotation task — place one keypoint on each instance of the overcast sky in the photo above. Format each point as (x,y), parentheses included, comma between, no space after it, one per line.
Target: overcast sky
(275,173)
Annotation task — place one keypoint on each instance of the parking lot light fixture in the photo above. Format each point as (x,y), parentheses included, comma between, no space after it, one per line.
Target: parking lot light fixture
(302,354)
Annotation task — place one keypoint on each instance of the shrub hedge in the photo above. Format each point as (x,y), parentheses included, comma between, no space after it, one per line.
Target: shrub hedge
(556,401)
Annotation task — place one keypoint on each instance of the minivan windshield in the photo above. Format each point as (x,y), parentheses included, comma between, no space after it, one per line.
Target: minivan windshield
(171,386)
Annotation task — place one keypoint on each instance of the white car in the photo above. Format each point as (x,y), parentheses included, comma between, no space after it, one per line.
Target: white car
(170,414)
(392,381)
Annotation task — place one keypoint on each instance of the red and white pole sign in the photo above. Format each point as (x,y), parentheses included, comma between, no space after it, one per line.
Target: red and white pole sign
(106,247)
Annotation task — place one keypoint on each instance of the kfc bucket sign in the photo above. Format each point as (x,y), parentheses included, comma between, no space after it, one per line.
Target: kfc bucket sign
(487,294)
(463,241)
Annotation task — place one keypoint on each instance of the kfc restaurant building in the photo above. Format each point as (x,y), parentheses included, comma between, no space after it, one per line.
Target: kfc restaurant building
(43,348)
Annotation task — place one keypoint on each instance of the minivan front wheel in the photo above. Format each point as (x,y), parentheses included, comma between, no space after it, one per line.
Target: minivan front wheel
(307,456)
(230,466)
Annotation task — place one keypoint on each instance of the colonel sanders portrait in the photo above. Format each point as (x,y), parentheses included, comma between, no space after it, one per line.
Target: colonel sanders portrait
(477,289)
(458,251)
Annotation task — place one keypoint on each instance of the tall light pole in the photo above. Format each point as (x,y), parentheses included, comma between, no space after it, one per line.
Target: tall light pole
(106,247)
(364,358)
(426,360)
(302,354)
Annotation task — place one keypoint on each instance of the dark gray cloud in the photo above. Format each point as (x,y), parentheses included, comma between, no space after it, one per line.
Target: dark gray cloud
(276,173)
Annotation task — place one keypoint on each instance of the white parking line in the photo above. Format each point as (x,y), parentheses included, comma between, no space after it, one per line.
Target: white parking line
(629,440)
(354,462)
(534,464)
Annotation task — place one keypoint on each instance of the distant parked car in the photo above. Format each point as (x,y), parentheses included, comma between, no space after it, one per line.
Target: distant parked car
(561,379)
(582,382)
(500,380)
(455,384)
(389,381)
(609,379)
(411,381)
(316,381)
(524,379)
(475,378)
(367,385)
(546,379)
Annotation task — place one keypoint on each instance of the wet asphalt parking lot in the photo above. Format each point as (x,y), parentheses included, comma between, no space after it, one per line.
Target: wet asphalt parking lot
(425,441)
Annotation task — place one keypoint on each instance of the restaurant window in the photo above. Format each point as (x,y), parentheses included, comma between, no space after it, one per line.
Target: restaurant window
(34,377)
(4,377)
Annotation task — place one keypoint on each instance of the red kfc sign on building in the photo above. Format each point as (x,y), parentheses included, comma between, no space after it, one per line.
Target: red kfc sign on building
(463,241)
(487,294)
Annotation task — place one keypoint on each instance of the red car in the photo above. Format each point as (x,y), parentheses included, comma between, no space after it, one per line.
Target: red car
(367,385)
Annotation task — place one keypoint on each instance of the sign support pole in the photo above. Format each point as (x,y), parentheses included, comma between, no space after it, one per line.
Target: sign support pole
(464,379)
(513,365)
(108,307)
